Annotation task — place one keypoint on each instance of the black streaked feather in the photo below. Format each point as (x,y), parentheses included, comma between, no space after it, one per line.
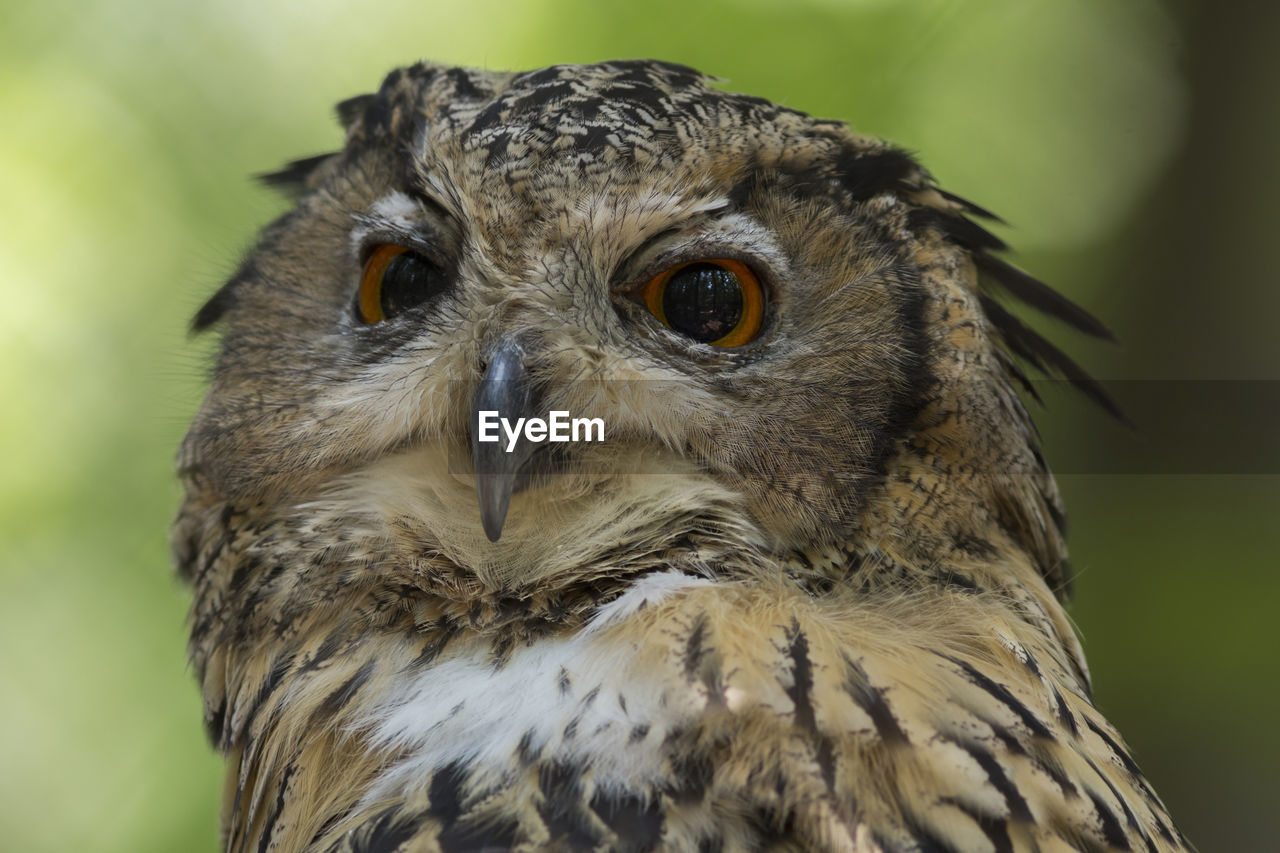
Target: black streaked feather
(969,207)
(292,179)
(1021,339)
(865,174)
(1019,375)
(213,310)
(385,832)
(1028,344)
(351,109)
(224,300)
(956,228)
(1040,296)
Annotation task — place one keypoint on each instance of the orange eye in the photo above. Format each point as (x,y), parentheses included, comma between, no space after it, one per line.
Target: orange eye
(396,279)
(718,301)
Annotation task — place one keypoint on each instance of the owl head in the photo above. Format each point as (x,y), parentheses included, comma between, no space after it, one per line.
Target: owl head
(790,335)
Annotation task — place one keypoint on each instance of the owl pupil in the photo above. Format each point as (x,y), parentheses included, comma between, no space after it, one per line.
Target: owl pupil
(703,301)
(410,280)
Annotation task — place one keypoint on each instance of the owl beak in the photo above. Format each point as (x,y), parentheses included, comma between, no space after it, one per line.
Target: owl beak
(505,389)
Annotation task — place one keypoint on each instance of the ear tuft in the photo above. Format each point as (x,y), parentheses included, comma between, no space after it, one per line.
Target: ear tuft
(292,179)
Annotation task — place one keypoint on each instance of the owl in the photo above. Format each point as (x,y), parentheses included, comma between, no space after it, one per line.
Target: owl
(795,584)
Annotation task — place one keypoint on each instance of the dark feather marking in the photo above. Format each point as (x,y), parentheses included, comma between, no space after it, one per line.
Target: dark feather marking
(524,749)
(999,779)
(247,568)
(1024,382)
(247,778)
(1053,769)
(293,176)
(500,651)
(1006,737)
(711,843)
(1030,663)
(1067,718)
(693,770)
(699,662)
(969,207)
(1060,522)
(1040,296)
(215,722)
(909,304)
(1130,818)
(638,733)
(487,119)
(387,831)
(1111,829)
(801,694)
(677,75)
(228,295)
(445,792)
(1020,338)
(1005,696)
(464,88)
(1027,343)
(457,833)
(269,825)
(562,808)
(223,300)
(541,97)
(694,648)
(962,231)
(438,636)
(801,678)
(865,174)
(350,110)
(375,119)
(328,647)
(488,837)
(335,701)
(952,578)
(562,681)
(824,755)
(1135,773)
(974,545)
(871,699)
(637,823)
(278,670)
(1117,750)
(772,827)
(745,188)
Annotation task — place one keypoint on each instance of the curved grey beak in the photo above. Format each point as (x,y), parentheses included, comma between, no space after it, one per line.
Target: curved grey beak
(504,393)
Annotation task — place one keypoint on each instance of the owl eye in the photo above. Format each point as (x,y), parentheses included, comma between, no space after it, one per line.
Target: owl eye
(394,280)
(718,302)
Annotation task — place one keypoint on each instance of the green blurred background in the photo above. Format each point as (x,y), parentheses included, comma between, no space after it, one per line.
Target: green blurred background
(1132,145)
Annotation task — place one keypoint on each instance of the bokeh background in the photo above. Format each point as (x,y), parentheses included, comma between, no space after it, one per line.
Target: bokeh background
(1131,145)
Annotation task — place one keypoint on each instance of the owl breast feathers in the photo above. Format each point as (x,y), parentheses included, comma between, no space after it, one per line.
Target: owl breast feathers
(804,594)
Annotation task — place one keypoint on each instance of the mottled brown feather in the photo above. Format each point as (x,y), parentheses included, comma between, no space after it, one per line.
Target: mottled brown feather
(807,598)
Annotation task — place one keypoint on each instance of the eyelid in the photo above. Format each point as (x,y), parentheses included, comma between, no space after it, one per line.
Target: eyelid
(689,253)
(429,235)
(370,241)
